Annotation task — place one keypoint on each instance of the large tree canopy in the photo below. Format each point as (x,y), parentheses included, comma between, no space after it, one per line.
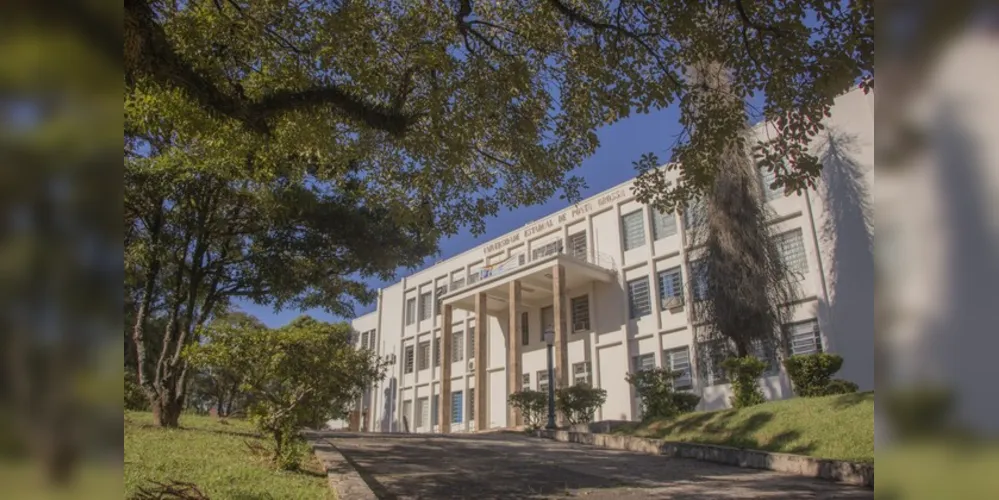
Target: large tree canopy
(472,105)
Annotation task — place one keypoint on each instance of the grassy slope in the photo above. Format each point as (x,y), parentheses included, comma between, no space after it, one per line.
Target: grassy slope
(837,427)
(213,456)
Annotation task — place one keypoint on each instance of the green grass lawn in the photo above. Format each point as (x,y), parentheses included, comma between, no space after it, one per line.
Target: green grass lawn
(215,457)
(837,427)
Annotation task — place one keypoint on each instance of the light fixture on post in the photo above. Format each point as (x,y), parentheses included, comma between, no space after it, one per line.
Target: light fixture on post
(550,340)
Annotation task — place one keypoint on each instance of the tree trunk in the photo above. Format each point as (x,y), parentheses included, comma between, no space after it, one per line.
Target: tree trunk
(166,410)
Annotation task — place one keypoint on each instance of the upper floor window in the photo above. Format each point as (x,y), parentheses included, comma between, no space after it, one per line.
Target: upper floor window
(547,250)
(457,346)
(577,245)
(663,224)
(410,311)
(767,179)
(695,214)
(638,298)
(441,290)
(670,288)
(791,246)
(408,360)
(423,359)
(525,329)
(643,362)
(471,342)
(633,230)
(425,305)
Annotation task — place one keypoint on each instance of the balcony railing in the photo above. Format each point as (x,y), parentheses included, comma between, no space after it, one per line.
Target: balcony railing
(517,261)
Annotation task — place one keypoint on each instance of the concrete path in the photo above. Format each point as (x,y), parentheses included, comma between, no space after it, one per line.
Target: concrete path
(514,466)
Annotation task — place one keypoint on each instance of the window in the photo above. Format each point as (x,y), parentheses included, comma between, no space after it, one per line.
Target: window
(435,409)
(542,378)
(805,337)
(364,340)
(457,346)
(638,298)
(766,180)
(471,403)
(437,351)
(456,407)
(678,360)
(633,230)
(441,291)
(581,373)
(695,214)
(425,305)
(471,343)
(371,338)
(410,311)
(643,362)
(407,411)
(670,288)
(422,412)
(791,247)
(525,381)
(711,354)
(458,283)
(409,359)
(546,250)
(423,360)
(525,329)
(580,313)
(577,245)
(699,275)
(766,352)
(663,224)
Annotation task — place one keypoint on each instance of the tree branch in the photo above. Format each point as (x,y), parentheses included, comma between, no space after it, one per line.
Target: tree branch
(148,52)
(749,22)
(578,17)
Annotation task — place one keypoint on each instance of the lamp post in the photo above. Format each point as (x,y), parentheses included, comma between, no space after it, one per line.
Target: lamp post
(550,340)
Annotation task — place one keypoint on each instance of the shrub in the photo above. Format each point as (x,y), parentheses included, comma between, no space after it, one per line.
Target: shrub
(659,400)
(840,386)
(533,406)
(811,375)
(135,398)
(579,402)
(745,373)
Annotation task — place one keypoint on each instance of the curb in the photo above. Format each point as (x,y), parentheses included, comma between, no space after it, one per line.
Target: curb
(855,473)
(342,477)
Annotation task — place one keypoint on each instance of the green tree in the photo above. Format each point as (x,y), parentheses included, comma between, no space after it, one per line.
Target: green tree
(219,386)
(504,96)
(200,232)
(578,403)
(533,406)
(295,376)
(655,388)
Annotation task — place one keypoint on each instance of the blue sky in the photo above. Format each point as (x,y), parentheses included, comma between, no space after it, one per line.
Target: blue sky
(620,145)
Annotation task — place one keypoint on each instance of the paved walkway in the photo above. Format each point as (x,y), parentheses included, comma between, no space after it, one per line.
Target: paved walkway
(514,466)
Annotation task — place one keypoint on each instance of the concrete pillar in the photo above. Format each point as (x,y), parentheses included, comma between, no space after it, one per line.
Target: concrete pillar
(561,336)
(513,369)
(481,358)
(444,405)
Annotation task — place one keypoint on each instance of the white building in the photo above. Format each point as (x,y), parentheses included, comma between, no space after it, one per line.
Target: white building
(619,275)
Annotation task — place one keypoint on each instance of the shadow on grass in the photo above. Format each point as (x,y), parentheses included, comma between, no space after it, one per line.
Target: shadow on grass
(718,428)
(853,399)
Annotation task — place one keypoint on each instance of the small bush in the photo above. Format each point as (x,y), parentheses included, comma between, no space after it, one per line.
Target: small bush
(745,373)
(685,402)
(579,402)
(840,386)
(533,406)
(811,375)
(659,400)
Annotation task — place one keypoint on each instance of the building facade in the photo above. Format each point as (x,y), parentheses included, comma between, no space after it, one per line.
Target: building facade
(613,280)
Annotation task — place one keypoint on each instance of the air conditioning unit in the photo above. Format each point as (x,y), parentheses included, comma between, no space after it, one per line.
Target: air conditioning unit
(580,326)
(672,302)
(471,365)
